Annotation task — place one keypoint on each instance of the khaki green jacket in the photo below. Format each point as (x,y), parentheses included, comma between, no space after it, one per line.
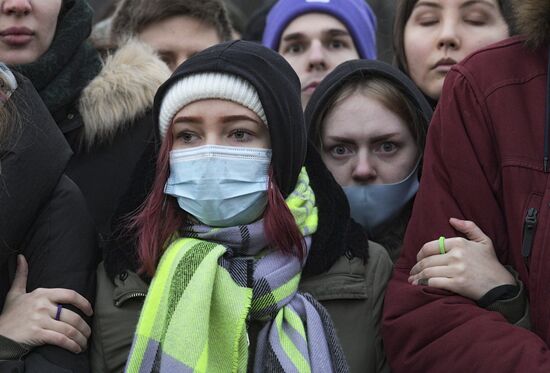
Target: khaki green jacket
(352,293)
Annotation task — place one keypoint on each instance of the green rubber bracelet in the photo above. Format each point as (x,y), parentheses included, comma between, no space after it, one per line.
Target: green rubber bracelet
(442,245)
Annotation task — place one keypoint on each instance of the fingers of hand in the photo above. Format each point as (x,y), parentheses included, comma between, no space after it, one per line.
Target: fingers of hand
(67,296)
(34,313)
(455,245)
(470,229)
(431,273)
(54,337)
(73,319)
(20,281)
(430,261)
(69,331)
(429,249)
(439,282)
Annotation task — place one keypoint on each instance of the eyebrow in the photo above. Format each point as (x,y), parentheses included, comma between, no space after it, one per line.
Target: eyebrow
(330,32)
(225,119)
(239,117)
(474,2)
(386,136)
(346,140)
(464,5)
(350,140)
(336,32)
(186,119)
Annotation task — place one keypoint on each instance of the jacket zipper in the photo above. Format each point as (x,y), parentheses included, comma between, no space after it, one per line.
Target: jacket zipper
(529,226)
(125,297)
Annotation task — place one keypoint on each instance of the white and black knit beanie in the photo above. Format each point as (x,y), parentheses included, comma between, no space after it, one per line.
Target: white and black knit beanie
(204,86)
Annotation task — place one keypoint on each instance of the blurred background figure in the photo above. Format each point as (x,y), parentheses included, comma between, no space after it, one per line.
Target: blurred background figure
(383,9)
(369,122)
(248,21)
(315,37)
(431,36)
(175,29)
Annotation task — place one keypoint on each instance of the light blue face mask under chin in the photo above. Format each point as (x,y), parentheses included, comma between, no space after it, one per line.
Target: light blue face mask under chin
(375,204)
(221,186)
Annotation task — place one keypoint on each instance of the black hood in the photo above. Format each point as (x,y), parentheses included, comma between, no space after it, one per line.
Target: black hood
(348,71)
(278,87)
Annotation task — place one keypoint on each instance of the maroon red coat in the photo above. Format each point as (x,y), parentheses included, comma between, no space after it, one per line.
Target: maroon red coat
(483,162)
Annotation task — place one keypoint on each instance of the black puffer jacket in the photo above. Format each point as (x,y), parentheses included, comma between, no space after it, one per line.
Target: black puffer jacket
(43,216)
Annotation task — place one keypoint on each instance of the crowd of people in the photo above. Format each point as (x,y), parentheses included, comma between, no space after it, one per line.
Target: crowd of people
(187,187)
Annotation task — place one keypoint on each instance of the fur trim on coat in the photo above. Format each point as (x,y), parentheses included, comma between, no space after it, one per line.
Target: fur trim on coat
(533,20)
(122,92)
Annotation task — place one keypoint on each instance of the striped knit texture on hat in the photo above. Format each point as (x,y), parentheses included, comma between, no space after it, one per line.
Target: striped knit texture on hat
(204,86)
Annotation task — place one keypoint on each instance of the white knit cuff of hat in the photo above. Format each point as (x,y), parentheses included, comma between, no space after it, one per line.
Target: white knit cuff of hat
(203,86)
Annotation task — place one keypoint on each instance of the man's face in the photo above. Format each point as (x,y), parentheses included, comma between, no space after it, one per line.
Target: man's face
(178,38)
(314,44)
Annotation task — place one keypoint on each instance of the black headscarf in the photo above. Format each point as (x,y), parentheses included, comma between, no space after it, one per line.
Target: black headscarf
(70,62)
(278,87)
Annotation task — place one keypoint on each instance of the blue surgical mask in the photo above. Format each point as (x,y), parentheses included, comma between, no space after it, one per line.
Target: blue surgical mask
(221,186)
(375,204)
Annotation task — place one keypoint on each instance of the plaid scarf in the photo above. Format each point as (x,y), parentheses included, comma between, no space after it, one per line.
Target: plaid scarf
(208,285)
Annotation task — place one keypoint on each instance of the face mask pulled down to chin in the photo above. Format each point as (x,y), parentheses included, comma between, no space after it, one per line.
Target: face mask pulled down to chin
(373,205)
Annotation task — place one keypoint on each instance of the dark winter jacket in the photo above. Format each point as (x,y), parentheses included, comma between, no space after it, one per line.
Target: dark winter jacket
(484,161)
(43,216)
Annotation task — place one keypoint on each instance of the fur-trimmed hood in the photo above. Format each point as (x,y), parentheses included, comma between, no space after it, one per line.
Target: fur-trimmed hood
(533,20)
(121,92)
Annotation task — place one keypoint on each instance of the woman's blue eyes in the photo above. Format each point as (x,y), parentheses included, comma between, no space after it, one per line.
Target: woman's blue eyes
(340,150)
(384,148)
(388,147)
(241,136)
(185,136)
(237,135)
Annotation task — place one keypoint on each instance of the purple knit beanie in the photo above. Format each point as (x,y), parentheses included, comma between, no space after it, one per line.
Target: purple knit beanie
(355,14)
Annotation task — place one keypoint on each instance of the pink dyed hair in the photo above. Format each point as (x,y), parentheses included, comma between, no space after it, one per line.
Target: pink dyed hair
(160,216)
